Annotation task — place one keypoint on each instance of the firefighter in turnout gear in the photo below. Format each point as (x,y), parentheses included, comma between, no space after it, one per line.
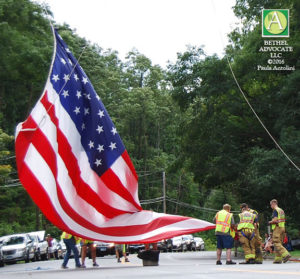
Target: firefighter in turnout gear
(258,239)
(246,234)
(278,227)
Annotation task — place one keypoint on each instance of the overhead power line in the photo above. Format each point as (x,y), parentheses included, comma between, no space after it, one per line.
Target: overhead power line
(11,185)
(7,158)
(191,205)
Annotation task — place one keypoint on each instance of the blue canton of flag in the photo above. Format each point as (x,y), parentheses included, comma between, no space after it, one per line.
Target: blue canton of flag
(99,136)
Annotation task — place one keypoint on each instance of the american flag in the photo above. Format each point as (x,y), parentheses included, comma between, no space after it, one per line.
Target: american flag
(73,164)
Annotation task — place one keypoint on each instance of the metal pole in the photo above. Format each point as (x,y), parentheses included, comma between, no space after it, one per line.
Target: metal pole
(164,191)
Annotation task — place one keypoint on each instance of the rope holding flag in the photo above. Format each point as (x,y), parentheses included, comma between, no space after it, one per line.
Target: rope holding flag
(74,165)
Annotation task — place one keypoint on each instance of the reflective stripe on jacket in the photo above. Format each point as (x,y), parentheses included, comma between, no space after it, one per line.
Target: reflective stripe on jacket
(223,221)
(253,211)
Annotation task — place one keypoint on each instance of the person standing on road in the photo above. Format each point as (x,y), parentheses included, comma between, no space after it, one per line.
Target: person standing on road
(49,241)
(121,248)
(85,243)
(257,238)
(278,227)
(247,234)
(224,223)
(70,243)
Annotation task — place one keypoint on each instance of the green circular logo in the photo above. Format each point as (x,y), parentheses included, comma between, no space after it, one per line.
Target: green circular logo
(275,22)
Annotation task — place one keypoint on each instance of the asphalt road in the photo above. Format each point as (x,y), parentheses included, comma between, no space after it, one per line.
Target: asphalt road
(171,265)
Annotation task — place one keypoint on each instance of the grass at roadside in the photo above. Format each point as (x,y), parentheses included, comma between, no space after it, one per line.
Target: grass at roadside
(295,253)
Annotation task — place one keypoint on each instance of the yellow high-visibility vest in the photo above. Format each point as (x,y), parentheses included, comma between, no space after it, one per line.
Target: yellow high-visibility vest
(86,241)
(246,220)
(281,219)
(232,233)
(223,221)
(66,235)
(253,211)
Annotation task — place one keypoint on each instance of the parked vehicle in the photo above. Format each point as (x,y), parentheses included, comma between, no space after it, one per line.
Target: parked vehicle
(18,247)
(104,248)
(41,245)
(162,245)
(190,242)
(135,248)
(199,243)
(178,244)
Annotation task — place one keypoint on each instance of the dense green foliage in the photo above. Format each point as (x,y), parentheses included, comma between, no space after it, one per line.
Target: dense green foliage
(189,120)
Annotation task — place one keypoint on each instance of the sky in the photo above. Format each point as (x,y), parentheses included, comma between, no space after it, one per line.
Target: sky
(159,29)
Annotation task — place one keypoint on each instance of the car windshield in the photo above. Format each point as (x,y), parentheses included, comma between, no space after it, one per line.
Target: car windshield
(34,237)
(15,240)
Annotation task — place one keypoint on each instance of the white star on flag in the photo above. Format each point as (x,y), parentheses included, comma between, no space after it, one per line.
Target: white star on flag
(78,94)
(77,110)
(76,77)
(99,129)
(112,145)
(114,130)
(66,77)
(55,78)
(101,113)
(98,162)
(91,144)
(87,96)
(100,148)
(65,93)
(86,111)
(85,80)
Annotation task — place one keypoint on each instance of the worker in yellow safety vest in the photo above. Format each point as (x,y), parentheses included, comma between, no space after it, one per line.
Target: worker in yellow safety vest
(85,243)
(224,228)
(247,234)
(257,238)
(70,242)
(278,227)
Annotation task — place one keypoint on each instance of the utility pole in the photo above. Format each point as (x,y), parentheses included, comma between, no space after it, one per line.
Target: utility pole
(178,194)
(164,192)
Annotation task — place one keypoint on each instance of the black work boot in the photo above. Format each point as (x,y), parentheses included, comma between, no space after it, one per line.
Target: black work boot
(230,262)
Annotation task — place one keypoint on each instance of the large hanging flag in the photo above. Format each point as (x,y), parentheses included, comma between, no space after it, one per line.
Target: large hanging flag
(72,162)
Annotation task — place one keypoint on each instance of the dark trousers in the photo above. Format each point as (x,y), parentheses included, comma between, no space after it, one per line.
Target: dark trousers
(71,246)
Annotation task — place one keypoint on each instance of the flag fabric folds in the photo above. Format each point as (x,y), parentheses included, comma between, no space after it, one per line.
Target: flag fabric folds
(72,162)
